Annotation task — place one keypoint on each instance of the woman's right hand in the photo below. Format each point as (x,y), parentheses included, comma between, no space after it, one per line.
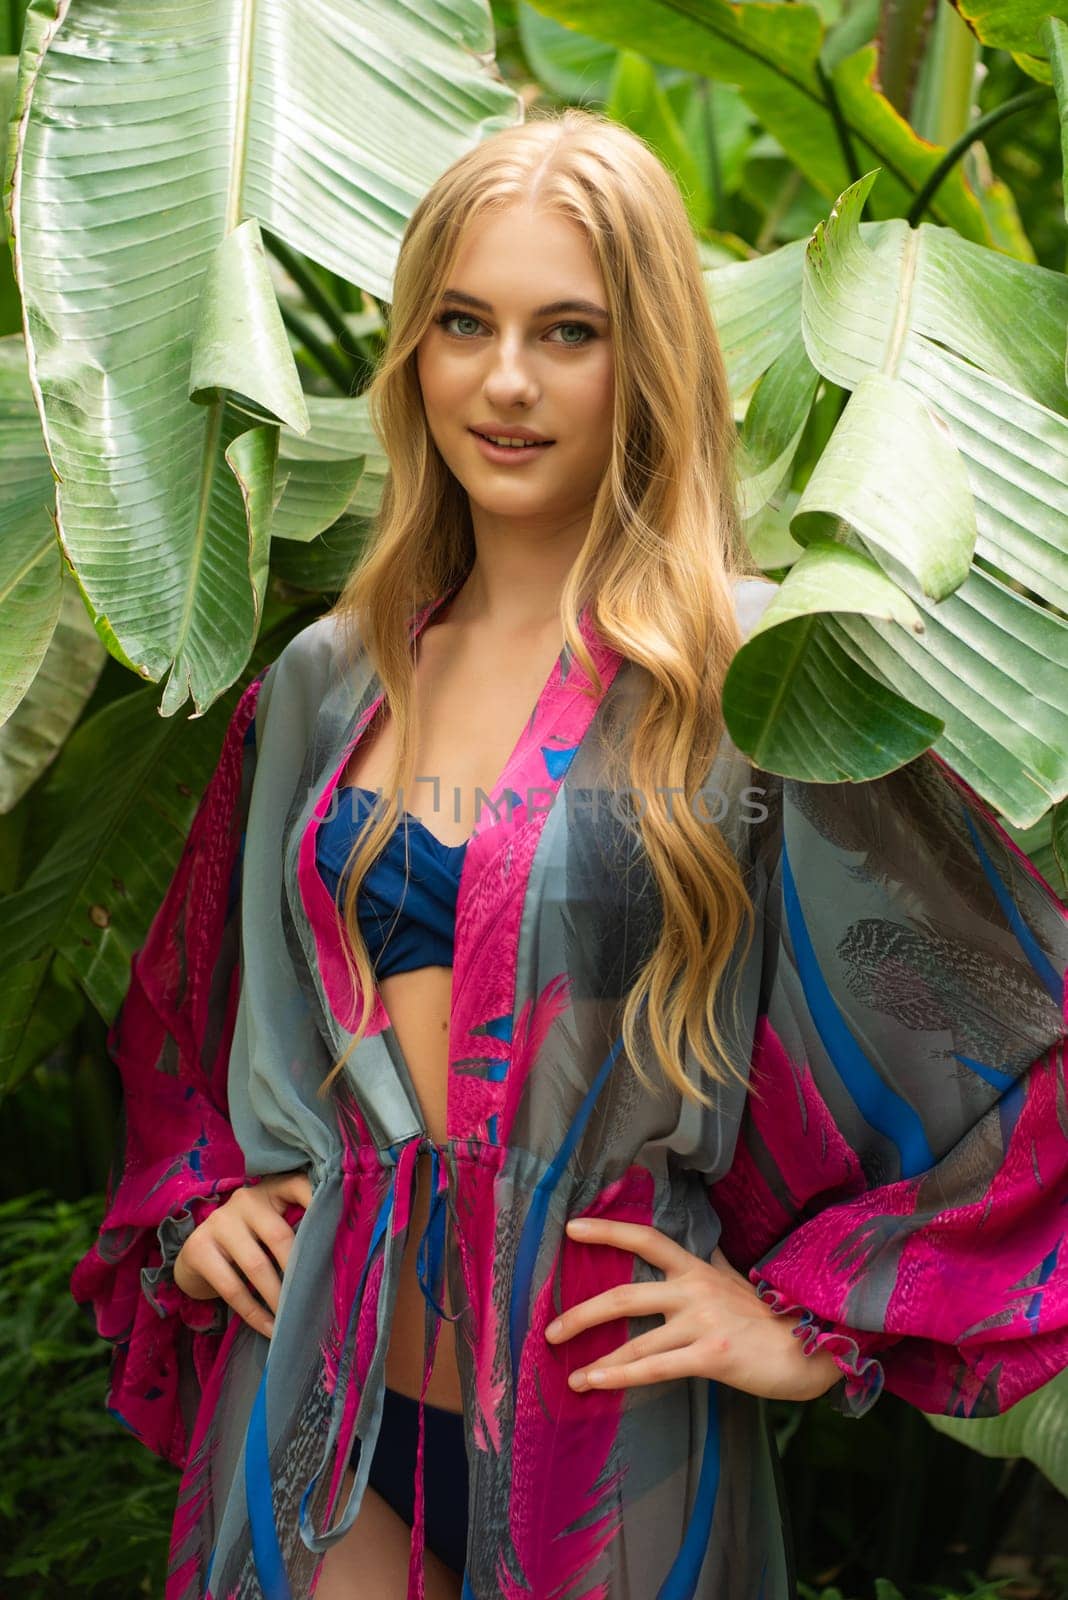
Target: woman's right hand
(247,1234)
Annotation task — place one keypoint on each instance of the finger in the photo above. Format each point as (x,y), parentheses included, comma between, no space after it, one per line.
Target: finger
(190,1281)
(291,1186)
(270,1229)
(255,1232)
(653,1343)
(236,1293)
(624,1300)
(279,1241)
(645,1241)
(260,1271)
(661,1368)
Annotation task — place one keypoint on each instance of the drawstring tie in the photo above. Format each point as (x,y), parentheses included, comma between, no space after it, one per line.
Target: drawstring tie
(391,1233)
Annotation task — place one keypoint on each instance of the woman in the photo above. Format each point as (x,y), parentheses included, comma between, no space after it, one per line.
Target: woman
(793,1052)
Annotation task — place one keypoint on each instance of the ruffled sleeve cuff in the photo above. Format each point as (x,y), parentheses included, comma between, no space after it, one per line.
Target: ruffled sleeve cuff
(862,1381)
(158,1285)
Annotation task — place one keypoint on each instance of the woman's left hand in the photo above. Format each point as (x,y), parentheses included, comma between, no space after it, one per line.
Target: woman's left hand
(715,1324)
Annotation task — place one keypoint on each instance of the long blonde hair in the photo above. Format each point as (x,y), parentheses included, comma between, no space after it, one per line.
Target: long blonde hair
(656,566)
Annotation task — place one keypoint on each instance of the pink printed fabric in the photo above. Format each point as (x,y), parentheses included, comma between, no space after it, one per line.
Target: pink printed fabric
(179,1156)
(905,1193)
(892,1175)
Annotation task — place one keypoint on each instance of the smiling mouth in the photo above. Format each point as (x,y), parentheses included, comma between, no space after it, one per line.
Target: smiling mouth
(518,444)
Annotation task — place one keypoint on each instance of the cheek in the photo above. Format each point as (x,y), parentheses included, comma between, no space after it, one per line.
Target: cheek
(438,380)
(597,398)
(429,372)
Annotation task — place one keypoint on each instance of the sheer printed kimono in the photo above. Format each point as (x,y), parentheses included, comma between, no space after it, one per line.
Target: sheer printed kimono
(895,1174)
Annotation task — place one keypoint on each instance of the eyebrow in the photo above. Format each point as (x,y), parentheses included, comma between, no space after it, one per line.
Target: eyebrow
(587,307)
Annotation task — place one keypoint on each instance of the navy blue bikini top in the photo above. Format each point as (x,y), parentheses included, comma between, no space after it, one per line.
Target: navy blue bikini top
(414,915)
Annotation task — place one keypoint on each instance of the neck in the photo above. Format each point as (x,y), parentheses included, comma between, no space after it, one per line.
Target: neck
(516,581)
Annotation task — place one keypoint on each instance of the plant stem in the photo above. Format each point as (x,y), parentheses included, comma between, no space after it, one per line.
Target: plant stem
(788,192)
(715,170)
(330,362)
(941,103)
(841,127)
(314,294)
(1019,102)
(904,37)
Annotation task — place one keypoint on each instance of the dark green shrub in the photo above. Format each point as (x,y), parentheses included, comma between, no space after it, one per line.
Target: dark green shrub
(84,1508)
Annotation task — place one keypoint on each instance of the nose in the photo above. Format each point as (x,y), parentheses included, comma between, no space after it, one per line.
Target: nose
(510,376)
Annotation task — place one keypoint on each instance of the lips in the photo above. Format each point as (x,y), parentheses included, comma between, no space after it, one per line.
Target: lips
(520,442)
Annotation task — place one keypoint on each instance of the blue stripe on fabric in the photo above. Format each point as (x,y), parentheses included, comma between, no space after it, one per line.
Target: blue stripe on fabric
(430,1252)
(266,1551)
(1026,939)
(1009,1107)
(534,1226)
(111,1410)
(993,1075)
(681,1581)
(877,1103)
(557,761)
(1044,1274)
(381,1222)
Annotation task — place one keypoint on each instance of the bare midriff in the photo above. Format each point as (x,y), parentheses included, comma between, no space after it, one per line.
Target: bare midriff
(418,1006)
(474,716)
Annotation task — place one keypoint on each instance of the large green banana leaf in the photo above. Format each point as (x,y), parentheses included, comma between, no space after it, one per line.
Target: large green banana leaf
(1055,34)
(332,479)
(947,476)
(109,822)
(100,866)
(39,726)
(31,567)
(1013,25)
(154,139)
(775,53)
(50,657)
(10,309)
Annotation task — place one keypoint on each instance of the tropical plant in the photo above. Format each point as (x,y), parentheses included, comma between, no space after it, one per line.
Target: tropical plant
(63,1527)
(202,245)
(177,430)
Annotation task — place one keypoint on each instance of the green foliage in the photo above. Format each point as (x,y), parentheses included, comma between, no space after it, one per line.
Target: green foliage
(885,1590)
(84,1508)
(822,108)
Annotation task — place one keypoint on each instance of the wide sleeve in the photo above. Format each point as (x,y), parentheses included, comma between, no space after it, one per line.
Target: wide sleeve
(177,1157)
(900,1177)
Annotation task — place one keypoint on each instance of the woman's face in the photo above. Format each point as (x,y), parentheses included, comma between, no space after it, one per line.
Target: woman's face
(496,357)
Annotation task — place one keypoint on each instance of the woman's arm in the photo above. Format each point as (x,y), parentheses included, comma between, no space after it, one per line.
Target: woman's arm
(898,1185)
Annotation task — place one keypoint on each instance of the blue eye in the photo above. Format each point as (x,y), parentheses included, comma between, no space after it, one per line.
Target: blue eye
(455,316)
(583,327)
(589,334)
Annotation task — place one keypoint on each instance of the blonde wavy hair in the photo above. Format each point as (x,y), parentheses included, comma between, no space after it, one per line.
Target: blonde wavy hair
(657,563)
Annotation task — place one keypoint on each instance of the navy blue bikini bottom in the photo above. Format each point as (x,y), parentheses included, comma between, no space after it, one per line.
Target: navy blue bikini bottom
(392,1472)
